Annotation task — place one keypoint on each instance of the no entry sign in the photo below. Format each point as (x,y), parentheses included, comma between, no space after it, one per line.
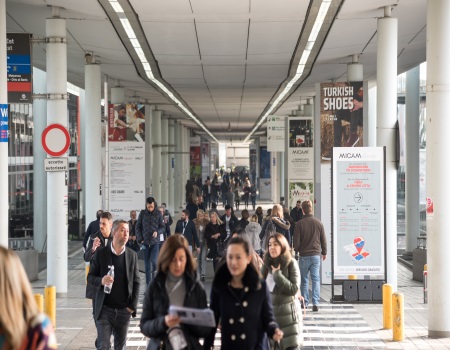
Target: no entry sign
(55,140)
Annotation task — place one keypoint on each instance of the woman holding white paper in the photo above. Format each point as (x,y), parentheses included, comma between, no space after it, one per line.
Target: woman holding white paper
(175,284)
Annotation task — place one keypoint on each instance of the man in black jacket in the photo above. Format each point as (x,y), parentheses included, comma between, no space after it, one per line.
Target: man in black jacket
(229,220)
(93,227)
(297,212)
(150,231)
(186,228)
(113,311)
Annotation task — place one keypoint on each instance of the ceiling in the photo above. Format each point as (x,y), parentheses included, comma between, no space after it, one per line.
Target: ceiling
(226,59)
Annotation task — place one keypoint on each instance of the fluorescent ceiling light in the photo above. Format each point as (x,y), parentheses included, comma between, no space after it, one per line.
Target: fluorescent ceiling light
(116,6)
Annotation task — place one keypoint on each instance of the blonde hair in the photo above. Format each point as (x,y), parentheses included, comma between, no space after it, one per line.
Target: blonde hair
(218,221)
(199,212)
(254,218)
(17,301)
(277,210)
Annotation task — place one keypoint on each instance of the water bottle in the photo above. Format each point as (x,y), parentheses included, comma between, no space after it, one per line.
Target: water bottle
(107,288)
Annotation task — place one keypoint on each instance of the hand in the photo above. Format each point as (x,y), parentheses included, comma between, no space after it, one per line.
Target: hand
(275,268)
(96,244)
(130,310)
(172,320)
(155,234)
(107,280)
(278,335)
(198,250)
(324,257)
(356,105)
(133,238)
(217,235)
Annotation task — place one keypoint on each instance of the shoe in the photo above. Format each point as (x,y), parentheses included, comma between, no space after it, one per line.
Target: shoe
(203,278)
(303,305)
(352,140)
(315,308)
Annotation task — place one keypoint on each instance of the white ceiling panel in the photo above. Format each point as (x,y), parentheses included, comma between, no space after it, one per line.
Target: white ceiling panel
(222,38)
(181,72)
(265,75)
(172,39)
(289,9)
(161,9)
(220,9)
(217,76)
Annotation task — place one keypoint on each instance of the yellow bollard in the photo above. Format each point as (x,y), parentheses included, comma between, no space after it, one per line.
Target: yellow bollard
(352,277)
(87,267)
(387,306)
(50,303)
(398,317)
(39,301)
(425,267)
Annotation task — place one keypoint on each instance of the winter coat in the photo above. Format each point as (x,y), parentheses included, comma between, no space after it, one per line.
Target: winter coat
(200,223)
(252,231)
(211,230)
(156,307)
(244,318)
(287,313)
(147,223)
(281,226)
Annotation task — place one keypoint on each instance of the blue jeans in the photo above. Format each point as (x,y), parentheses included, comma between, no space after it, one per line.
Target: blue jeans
(310,264)
(112,322)
(150,256)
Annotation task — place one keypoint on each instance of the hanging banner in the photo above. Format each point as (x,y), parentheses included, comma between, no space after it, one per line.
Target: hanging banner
(300,150)
(253,163)
(206,154)
(214,157)
(126,157)
(265,184)
(195,160)
(275,134)
(358,211)
(4,128)
(341,116)
(18,50)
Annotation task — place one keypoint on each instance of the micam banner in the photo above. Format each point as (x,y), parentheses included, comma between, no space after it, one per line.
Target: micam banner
(358,189)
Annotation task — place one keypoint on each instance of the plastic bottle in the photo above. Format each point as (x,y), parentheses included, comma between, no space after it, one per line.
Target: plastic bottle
(107,288)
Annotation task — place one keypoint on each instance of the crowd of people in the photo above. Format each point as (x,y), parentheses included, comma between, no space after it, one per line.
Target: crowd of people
(257,293)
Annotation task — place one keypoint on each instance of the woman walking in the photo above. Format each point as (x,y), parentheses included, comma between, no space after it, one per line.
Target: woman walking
(215,231)
(174,284)
(282,275)
(275,223)
(241,301)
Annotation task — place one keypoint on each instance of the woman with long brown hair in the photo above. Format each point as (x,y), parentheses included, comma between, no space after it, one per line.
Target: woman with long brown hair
(22,326)
(175,284)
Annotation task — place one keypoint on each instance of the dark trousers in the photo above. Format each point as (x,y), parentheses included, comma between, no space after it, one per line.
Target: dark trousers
(112,322)
(151,253)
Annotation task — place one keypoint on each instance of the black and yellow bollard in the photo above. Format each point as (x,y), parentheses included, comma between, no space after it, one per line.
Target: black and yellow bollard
(398,317)
(50,303)
(425,284)
(39,301)
(387,306)
(352,277)
(87,267)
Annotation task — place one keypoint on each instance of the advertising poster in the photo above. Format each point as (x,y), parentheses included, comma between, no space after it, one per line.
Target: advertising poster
(126,123)
(126,159)
(195,160)
(300,191)
(214,157)
(19,73)
(275,134)
(300,151)
(206,168)
(253,163)
(358,211)
(265,184)
(341,116)
(4,131)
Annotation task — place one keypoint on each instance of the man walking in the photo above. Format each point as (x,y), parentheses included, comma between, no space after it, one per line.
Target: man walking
(311,243)
(149,228)
(113,311)
(297,212)
(186,228)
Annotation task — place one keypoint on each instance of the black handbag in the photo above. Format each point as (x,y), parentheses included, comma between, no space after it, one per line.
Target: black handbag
(221,247)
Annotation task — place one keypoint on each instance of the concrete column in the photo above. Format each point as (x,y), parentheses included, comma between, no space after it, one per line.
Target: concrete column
(156,167)
(370,133)
(164,161)
(386,131)
(186,157)
(148,151)
(171,163)
(57,200)
(438,166)
(274,160)
(4,213)
(39,175)
(179,187)
(117,95)
(412,179)
(93,129)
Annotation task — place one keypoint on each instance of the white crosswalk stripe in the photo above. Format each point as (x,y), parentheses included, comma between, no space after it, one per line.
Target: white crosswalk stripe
(334,326)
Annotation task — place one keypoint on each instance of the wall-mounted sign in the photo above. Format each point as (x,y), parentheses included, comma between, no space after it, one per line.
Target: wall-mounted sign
(18,49)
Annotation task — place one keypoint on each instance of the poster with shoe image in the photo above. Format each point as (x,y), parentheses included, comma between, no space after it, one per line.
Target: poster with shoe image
(341,116)
(126,122)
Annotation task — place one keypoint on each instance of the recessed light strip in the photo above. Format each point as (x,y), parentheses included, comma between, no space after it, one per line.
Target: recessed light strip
(146,65)
(321,15)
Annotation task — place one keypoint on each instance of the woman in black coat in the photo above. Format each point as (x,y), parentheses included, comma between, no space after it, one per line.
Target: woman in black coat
(214,231)
(241,300)
(275,223)
(176,283)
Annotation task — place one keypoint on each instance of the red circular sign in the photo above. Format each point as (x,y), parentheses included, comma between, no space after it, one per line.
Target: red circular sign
(55,140)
